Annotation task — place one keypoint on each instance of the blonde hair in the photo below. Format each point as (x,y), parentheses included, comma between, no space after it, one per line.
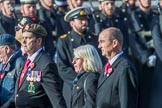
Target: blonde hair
(91,59)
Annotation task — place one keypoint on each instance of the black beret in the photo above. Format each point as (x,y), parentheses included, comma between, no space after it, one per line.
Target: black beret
(25,20)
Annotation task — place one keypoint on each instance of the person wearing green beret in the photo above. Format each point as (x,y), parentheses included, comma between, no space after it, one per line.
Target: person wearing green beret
(38,85)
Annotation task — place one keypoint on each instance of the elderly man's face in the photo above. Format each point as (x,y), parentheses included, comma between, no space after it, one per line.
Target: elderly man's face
(4,54)
(29,10)
(30,43)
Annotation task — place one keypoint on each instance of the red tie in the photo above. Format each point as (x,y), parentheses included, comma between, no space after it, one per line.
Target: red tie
(107,66)
(24,71)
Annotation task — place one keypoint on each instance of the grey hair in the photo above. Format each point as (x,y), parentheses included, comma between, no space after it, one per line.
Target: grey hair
(91,59)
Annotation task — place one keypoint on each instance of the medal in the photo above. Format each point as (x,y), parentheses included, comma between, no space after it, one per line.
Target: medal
(38,76)
(31,78)
(31,87)
(28,75)
(34,76)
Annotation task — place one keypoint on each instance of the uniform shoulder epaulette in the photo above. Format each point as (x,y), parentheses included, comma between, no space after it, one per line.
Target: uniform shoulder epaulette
(63,36)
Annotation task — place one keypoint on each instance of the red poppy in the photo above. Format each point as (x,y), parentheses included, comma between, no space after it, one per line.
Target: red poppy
(110,70)
(27,27)
(32,65)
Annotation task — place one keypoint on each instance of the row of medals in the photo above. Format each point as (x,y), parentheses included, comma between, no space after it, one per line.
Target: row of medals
(33,76)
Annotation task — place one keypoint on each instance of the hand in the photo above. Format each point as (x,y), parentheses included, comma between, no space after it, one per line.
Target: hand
(151,61)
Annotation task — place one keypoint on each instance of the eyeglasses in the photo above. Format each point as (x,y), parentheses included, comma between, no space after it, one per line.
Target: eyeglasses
(17,28)
(75,58)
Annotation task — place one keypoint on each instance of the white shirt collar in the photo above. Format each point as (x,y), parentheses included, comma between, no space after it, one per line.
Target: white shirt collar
(115,58)
(34,55)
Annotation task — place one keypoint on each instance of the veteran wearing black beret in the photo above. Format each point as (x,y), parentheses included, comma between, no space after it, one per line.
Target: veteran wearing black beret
(38,85)
(79,35)
(21,22)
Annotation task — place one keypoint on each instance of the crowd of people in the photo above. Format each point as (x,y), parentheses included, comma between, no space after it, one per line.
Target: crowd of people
(71,56)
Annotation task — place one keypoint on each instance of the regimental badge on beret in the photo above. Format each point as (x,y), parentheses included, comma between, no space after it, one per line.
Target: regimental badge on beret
(23,21)
(27,26)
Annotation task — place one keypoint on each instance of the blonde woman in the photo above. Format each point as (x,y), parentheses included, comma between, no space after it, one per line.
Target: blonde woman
(87,64)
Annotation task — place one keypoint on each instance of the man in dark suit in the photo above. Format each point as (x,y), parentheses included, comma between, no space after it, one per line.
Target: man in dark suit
(110,17)
(117,86)
(38,84)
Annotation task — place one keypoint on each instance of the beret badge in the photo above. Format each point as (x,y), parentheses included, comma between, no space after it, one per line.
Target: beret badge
(27,27)
(24,20)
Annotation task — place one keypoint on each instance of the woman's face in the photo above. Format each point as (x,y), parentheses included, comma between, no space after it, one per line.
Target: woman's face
(78,64)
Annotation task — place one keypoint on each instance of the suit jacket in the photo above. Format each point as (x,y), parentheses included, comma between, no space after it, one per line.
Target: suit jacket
(85,96)
(46,92)
(119,89)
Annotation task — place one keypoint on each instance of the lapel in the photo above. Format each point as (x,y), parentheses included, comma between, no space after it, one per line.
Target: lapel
(9,66)
(5,71)
(17,81)
(18,77)
(103,77)
(79,84)
(25,76)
